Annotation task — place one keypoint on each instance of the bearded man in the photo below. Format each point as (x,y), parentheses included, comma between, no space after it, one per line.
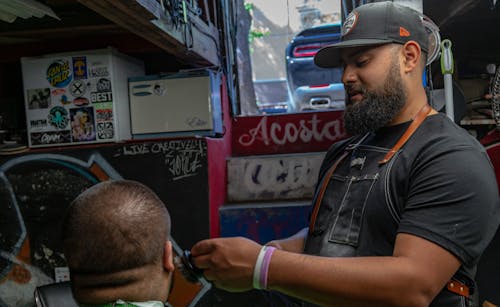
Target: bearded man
(402,210)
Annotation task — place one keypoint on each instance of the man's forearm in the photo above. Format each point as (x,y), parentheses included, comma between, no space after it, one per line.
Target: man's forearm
(294,244)
(345,281)
(416,272)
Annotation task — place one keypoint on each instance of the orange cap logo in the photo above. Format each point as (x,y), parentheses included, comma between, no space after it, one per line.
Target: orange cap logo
(403,32)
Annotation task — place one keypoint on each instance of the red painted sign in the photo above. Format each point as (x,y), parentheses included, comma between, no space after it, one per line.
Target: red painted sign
(289,133)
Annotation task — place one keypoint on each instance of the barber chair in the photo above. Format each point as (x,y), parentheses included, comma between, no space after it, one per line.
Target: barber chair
(55,295)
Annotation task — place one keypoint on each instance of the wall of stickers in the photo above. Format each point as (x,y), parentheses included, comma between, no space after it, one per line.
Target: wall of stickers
(78,98)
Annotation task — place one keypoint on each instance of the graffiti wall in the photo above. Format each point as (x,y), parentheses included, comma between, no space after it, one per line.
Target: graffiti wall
(273,177)
(36,188)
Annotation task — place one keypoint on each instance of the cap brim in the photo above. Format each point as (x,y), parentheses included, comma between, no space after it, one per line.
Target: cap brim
(329,56)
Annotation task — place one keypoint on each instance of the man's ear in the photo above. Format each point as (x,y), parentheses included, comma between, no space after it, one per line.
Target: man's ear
(411,54)
(168,257)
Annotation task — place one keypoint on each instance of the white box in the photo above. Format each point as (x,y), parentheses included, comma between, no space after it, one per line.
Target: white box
(184,103)
(78,97)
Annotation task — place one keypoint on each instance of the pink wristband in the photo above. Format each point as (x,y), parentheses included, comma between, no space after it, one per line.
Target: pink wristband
(264,269)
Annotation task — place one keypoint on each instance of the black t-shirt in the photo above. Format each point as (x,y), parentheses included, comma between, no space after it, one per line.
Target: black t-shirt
(439,186)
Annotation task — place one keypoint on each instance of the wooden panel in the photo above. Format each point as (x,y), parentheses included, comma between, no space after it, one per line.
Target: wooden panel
(194,43)
(273,177)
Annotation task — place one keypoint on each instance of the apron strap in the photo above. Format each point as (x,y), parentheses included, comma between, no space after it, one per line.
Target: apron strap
(458,288)
(419,119)
(322,190)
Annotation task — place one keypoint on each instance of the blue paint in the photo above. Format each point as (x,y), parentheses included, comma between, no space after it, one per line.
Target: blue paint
(263,222)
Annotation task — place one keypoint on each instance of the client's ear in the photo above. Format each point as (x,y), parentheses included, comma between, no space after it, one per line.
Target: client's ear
(168,257)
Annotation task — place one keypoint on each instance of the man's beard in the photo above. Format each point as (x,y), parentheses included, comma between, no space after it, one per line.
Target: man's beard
(378,108)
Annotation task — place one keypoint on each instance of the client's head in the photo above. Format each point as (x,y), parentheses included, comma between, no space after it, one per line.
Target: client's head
(116,243)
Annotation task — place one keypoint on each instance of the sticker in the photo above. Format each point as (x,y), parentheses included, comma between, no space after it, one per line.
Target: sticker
(58,117)
(52,137)
(80,67)
(159,89)
(100,71)
(58,91)
(349,23)
(101,97)
(103,105)
(61,99)
(102,115)
(38,98)
(64,100)
(78,88)
(103,85)
(105,131)
(38,123)
(82,124)
(80,101)
(59,73)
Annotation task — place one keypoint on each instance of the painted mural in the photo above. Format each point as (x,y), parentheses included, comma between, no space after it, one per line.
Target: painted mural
(35,190)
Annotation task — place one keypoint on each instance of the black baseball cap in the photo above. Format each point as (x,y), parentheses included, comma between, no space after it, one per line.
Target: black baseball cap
(374,24)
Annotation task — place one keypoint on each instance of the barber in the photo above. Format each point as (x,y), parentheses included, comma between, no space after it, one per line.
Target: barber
(402,210)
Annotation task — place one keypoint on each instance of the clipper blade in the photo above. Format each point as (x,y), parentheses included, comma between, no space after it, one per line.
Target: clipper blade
(187,268)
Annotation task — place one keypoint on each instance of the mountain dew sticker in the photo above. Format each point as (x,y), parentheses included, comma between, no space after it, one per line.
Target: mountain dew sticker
(103,105)
(59,73)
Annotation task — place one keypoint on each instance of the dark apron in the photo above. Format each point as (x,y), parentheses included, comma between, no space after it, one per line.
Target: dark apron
(352,203)
(338,225)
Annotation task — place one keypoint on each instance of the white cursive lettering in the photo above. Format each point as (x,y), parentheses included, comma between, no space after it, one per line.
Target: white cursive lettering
(50,138)
(305,131)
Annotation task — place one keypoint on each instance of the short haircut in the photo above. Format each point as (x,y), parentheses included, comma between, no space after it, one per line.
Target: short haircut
(115,226)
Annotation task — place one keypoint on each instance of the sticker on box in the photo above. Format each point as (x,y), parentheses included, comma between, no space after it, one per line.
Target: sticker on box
(78,88)
(38,124)
(50,137)
(103,105)
(38,98)
(59,73)
(82,124)
(80,101)
(58,117)
(103,115)
(101,97)
(103,85)
(58,92)
(80,67)
(96,72)
(105,131)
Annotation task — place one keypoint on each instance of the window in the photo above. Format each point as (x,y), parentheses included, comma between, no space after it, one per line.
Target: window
(275,44)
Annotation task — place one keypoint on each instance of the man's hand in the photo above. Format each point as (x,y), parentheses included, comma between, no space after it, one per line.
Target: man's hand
(227,262)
